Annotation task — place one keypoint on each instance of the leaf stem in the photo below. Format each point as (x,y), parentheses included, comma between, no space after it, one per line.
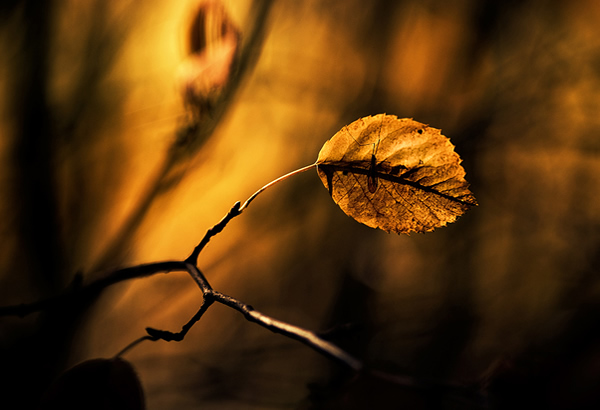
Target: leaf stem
(270,184)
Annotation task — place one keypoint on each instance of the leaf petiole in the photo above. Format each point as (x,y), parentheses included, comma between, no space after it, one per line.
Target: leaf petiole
(281,178)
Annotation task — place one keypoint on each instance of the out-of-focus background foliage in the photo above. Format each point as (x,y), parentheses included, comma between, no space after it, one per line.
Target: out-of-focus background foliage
(505,300)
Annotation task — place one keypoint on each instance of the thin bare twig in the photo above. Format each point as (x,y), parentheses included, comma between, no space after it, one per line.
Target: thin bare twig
(307,337)
(134,344)
(167,336)
(210,296)
(233,212)
(93,288)
(236,210)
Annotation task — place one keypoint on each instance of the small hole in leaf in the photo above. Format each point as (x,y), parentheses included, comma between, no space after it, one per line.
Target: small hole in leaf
(420,131)
(345,173)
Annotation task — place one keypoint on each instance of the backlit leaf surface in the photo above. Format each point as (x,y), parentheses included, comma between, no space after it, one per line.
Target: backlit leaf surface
(398,175)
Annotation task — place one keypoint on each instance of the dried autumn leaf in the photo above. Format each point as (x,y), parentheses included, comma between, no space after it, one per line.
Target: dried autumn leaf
(395,174)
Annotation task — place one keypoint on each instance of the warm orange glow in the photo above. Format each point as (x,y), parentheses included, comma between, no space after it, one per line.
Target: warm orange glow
(516,89)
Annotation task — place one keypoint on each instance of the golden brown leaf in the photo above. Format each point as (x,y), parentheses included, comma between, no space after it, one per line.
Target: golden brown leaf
(395,174)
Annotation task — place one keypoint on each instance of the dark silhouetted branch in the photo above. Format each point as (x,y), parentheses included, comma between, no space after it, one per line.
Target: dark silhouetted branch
(210,296)
(233,212)
(84,291)
(78,292)
(294,332)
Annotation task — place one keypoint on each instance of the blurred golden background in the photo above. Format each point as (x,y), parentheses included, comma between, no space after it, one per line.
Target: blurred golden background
(506,299)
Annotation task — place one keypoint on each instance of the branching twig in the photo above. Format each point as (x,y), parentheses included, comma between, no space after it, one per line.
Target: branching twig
(210,296)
